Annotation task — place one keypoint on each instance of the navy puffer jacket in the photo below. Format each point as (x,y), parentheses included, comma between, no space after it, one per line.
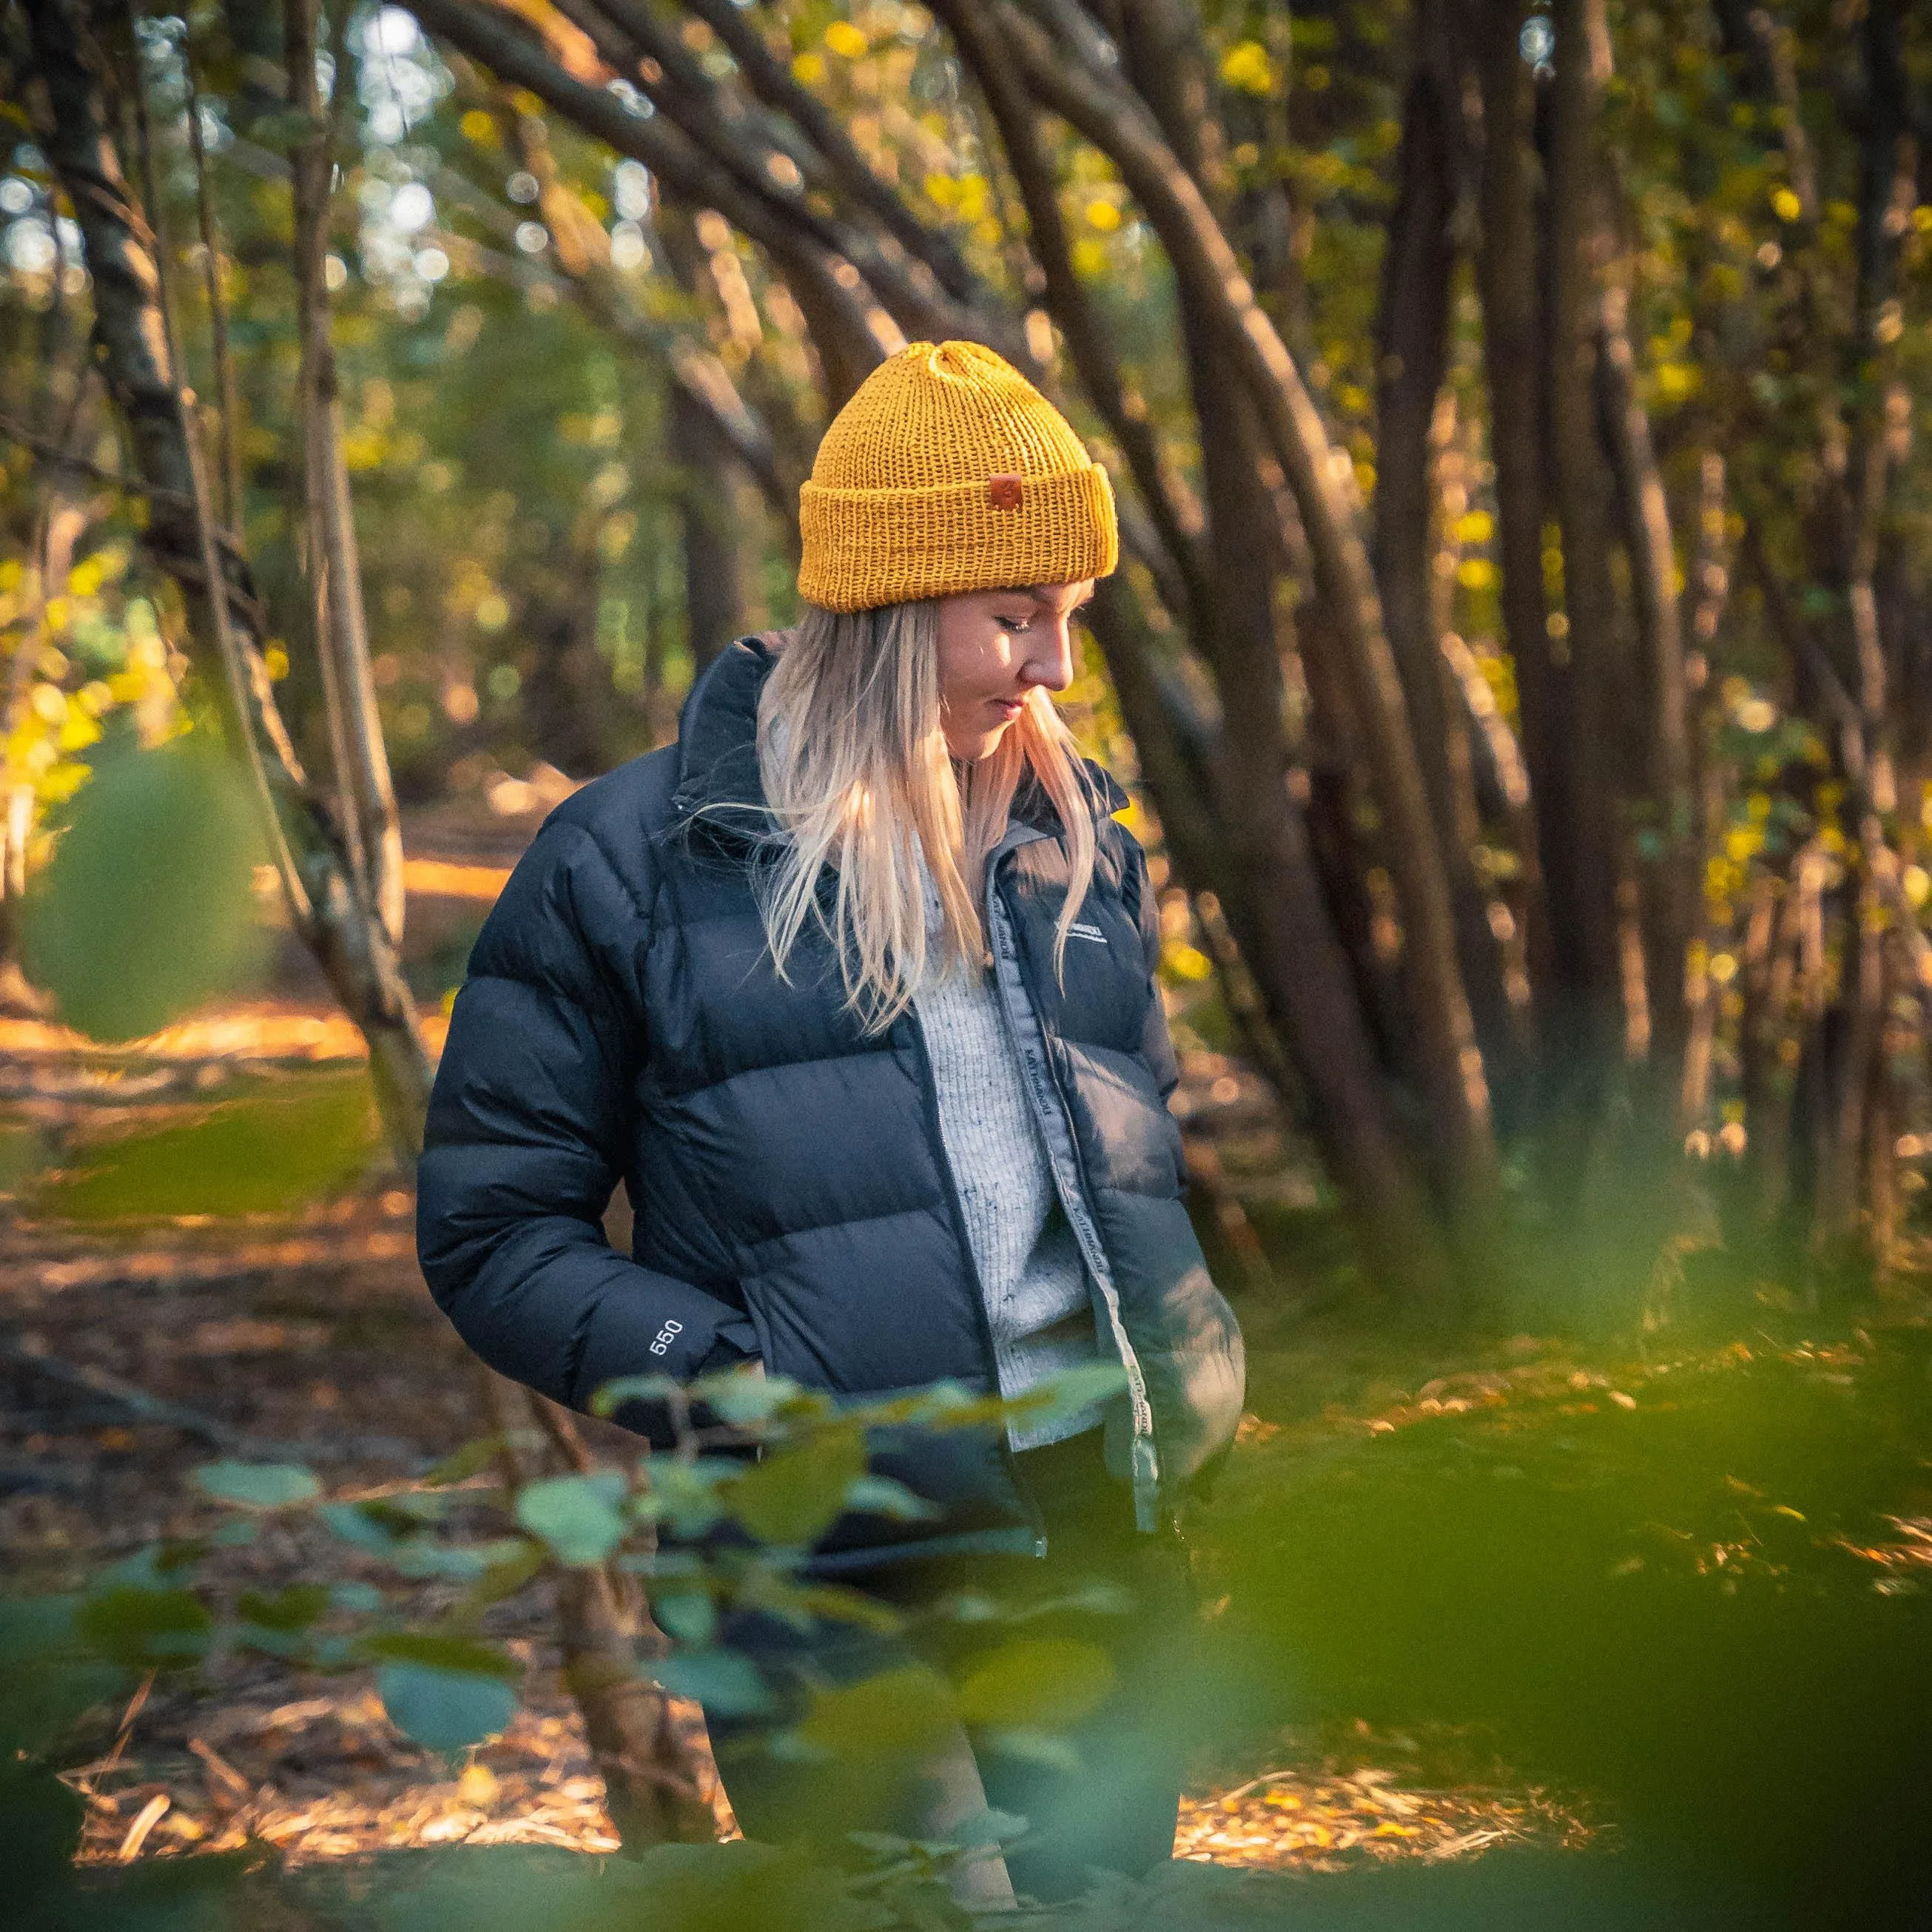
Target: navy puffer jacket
(622,1021)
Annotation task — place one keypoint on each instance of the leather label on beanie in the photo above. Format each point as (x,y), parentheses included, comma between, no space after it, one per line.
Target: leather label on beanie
(1005,492)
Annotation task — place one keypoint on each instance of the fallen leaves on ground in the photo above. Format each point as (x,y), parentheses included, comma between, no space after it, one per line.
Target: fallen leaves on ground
(1304,1818)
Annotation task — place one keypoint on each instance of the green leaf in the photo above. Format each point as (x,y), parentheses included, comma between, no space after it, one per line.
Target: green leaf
(576,1516)
(445,1710)
(688,1616)
(1037,1683)
(461,1655)
(904,1712)
(504,1577)
(422,1557)
(793,1498)
(355,1523)
(686,1496)
(613,1396)
(744,1396)
(1070,1390)
(288,1645)
(419,1505)
(262,1154)
(881,1495)
(1041,1748)
(140,1628)
(258,1485)
(720,1680)
(47,1679)
(473,1458)
(293,1609)
(147,907)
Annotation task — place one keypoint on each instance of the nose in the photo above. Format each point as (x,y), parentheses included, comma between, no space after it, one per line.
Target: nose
(1050,664)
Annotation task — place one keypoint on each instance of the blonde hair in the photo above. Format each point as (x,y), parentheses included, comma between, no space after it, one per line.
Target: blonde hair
(853,754)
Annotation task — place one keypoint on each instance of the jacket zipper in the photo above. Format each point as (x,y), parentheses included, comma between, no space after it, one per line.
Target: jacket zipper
(1072,1190)
(929,1101)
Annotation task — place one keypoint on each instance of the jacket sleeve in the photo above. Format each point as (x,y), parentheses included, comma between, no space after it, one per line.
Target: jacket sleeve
(525,1142)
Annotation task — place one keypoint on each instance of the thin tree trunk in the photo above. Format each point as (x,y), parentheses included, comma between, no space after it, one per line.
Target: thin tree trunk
(580,252)
(569,704)
(1670,876)
(1412,342)
(714,565)
(604,1626)
(1512,362)
(1180,573)
(842,330)
(1586,874)
(373,827)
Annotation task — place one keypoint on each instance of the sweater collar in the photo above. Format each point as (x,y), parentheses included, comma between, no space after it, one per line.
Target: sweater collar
(718,752)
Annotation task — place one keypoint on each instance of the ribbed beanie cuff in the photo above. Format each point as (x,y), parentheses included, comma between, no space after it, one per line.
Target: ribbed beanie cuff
(948,472)
(865,548)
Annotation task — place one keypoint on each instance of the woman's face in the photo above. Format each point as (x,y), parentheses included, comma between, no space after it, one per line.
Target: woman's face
(995,648)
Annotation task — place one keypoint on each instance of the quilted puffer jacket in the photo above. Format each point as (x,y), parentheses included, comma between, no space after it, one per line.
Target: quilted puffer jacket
(622,1021)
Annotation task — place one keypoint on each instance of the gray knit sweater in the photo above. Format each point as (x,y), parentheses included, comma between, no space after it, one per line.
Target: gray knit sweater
(1038,1302)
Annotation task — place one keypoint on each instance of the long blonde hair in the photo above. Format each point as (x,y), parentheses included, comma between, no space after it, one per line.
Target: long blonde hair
(852,752)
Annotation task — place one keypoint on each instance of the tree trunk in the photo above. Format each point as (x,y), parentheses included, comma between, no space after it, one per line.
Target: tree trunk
(1581,875)
(1508,289)
(1412,342)
(227,623)
(570,705)
(712,518)
(1264,881)
(371,826)
(1324,492)
(1669,872)
(604,1626)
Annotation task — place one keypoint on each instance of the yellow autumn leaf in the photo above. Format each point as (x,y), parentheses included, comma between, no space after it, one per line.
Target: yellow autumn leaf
(1246,66)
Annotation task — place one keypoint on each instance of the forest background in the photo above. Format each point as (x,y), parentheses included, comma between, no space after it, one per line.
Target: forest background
(1520,661)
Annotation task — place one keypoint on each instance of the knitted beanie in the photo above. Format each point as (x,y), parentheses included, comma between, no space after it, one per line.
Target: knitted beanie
(948,471)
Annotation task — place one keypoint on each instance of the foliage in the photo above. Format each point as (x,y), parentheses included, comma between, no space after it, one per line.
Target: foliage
(259,1151)
(147,906)
(743,1537)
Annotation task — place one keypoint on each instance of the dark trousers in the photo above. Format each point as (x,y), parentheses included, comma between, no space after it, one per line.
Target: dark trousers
(875,1767)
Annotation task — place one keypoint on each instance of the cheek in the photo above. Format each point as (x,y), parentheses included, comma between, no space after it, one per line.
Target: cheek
(968,666)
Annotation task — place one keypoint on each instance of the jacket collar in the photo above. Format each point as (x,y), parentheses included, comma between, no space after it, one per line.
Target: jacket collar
(717,740)
(718,752)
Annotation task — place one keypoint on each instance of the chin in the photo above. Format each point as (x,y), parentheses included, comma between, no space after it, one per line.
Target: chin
(974,749)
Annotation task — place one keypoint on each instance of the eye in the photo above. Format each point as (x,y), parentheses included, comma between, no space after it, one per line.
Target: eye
(1016,626)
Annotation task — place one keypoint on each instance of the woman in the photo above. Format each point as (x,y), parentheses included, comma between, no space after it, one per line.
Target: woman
(853,989)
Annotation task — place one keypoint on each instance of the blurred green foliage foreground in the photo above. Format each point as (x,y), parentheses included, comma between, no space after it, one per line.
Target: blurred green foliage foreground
(1687,1584)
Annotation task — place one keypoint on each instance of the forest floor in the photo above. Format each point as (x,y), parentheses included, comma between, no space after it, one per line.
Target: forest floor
(1451,1572)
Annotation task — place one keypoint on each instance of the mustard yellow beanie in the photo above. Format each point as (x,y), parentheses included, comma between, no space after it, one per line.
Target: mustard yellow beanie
(948,471)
